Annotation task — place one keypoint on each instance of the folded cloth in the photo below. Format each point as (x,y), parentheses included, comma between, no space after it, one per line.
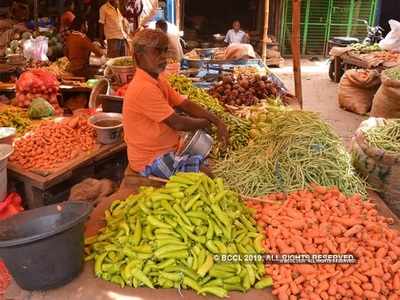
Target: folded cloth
(170,163)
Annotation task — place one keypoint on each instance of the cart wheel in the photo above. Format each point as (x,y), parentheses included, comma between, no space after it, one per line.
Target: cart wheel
(332,71)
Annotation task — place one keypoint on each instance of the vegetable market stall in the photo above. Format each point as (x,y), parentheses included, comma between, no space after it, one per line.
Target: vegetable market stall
(363,57)
(100,289)
(10,88)
(41,188)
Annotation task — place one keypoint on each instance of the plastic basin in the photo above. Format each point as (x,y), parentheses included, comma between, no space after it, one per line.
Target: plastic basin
(43,248)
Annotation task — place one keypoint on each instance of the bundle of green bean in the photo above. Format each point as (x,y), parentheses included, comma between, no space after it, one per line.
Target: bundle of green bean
(393,73)
(239,129)
(296,148)
(385,137)
(169,237)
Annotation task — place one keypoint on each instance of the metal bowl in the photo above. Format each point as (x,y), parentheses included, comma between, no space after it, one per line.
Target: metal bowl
(199,143)
(218,37)
(107,134)
(7,135)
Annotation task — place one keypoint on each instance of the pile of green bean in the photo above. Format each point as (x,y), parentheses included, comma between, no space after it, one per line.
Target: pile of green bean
(393,73)
(170,238)
(239,129)
(296,148)
(385,137)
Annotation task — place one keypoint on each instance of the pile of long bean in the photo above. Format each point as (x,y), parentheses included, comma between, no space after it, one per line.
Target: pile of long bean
(385,137)
(295,149)
(393,73)
(239,129)
(174,237)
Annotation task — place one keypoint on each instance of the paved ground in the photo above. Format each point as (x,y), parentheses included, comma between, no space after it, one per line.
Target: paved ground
(319,95)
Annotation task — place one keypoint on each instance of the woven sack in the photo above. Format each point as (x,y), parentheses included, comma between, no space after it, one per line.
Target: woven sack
(357,89)
(386,103)
(380,168)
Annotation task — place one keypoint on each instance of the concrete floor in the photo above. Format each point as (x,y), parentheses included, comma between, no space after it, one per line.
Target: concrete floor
(319,95)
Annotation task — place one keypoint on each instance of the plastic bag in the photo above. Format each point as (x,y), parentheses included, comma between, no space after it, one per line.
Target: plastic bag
(239,51)
(10,206)
(392,40)
(36,49)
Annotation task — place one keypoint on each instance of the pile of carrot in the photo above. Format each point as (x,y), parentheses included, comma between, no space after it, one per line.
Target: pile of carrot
(52,144)
(387,55)
(5,278)
(322,221)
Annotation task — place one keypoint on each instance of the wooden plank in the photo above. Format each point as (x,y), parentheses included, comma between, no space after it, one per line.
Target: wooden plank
(354,61)
(178,14)
(63,88)
(296,50)
(75,89)
(338,65)
(265,34)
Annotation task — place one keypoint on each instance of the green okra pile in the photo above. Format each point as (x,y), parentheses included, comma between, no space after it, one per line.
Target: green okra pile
(170,238)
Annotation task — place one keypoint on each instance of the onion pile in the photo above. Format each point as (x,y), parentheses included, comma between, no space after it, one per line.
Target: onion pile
(248,90)
(37,83)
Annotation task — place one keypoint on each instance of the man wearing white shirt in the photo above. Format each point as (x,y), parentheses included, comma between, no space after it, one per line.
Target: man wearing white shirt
(113,29)
(236,35)
(172,31)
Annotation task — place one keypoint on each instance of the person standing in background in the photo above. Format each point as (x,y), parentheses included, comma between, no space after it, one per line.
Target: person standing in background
(175,50)
(235,35)
(113,29)
(133,9)
(78,48)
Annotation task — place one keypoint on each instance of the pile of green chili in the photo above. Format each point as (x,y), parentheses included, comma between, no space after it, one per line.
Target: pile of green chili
(385,137)
(295,149)
(173,237)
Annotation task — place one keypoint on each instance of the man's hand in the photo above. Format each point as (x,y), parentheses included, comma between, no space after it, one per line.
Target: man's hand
(195,110)
(223,134)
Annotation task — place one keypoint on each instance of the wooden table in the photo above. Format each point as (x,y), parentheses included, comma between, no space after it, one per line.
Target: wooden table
(345,62)
(42,189)
(9,88)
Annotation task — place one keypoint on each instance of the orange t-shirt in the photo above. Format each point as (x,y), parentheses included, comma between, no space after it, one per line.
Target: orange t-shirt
(147,103)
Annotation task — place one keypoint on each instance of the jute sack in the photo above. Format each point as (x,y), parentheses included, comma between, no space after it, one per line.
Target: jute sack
(357,89)
(386,103)
(380,168)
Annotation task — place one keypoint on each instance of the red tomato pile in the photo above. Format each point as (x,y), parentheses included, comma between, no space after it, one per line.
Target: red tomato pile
(37,83)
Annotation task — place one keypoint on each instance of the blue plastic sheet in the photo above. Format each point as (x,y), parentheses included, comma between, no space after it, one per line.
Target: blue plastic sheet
(209,69)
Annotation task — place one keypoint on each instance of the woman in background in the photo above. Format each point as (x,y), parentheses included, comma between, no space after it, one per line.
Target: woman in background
(78,48)
(67,18)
